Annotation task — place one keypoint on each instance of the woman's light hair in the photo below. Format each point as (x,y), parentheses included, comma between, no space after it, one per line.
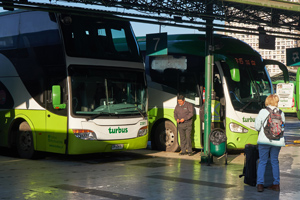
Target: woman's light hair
(272,100)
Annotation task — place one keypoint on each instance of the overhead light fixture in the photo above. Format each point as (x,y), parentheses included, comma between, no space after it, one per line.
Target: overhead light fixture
(10,6)
(261,30)
(67,20)
(177,19)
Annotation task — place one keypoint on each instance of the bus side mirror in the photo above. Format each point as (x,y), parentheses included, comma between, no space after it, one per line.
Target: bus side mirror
(281,66)
(56,101)
(234,68)
(235,74)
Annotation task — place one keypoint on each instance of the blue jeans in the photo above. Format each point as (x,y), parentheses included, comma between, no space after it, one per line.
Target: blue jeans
(264,151)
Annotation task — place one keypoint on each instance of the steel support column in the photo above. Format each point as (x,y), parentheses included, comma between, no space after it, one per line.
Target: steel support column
(205,157)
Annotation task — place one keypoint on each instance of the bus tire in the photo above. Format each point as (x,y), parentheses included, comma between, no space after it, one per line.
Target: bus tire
(25,146)
(166,137)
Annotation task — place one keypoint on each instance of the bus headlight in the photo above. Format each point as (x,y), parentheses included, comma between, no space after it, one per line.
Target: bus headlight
(84,134)
(237,128)
(143,131)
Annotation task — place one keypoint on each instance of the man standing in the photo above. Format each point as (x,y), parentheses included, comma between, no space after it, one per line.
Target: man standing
(183,114)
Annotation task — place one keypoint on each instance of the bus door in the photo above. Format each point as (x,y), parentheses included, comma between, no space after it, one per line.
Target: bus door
(217,109)
(56,117)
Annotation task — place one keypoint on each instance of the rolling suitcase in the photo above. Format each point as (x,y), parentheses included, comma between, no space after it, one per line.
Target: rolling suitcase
(250,167)
(250,162)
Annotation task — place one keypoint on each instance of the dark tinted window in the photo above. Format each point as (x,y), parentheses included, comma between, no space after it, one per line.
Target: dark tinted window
(38,29)
(9,31)
(99,38)
(176,72)
(6,100)
(41,60)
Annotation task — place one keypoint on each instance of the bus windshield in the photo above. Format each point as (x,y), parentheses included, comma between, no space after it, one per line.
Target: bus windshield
(107,92)
(249,94)
(99,38)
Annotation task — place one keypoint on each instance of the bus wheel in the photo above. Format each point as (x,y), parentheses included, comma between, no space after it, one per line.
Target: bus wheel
(166,137)
(25,145)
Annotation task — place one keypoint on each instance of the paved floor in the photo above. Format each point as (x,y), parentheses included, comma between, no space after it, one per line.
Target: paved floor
(143,174)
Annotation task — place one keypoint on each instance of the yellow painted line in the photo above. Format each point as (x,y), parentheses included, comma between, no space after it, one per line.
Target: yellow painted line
(297,141)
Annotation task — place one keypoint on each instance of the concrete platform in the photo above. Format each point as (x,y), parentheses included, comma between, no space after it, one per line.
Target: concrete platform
(144,174)
(139,174)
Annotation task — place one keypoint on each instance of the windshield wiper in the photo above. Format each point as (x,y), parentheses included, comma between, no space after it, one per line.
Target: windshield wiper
(245,106)
(263,82)
(97,115)
(257,90)
(140,111)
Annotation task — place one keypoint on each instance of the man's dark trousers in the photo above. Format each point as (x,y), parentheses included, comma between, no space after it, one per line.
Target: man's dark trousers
(185,130)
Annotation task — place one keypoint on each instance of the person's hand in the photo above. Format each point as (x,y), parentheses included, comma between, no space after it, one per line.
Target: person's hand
(182,120)
(177,120)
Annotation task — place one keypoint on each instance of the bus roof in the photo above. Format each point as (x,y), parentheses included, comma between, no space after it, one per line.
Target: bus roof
(194,44)
(12,12)
(279,78)
(108,16)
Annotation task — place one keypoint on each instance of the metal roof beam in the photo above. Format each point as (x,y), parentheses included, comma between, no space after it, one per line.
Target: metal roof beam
(253,12)
(275,4)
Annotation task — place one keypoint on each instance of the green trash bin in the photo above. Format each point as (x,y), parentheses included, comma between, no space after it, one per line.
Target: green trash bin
(217,138)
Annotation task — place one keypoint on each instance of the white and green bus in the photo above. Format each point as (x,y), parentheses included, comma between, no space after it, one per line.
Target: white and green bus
(70,84)
(240,85)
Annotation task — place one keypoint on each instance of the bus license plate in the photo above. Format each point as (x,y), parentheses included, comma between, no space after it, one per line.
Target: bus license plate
(117,146)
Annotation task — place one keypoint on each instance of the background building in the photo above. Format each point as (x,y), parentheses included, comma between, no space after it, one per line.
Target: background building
(281,44)
(278,54)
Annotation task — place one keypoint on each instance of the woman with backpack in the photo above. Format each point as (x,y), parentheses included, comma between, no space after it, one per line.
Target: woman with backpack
(270,123)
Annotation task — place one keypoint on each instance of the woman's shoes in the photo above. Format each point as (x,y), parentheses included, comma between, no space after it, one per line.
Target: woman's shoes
(260,187)
(274,187)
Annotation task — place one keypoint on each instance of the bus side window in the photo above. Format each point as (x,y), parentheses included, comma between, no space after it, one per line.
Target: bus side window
(188,85)
(9,31)
(171,77)
(6,100)
(155,75)
(217,85)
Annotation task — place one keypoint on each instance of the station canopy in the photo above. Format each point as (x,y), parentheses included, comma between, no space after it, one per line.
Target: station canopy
(274,17)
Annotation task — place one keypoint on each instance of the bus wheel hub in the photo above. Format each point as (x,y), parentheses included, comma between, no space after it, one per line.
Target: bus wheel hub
(169,137)
(25,141)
